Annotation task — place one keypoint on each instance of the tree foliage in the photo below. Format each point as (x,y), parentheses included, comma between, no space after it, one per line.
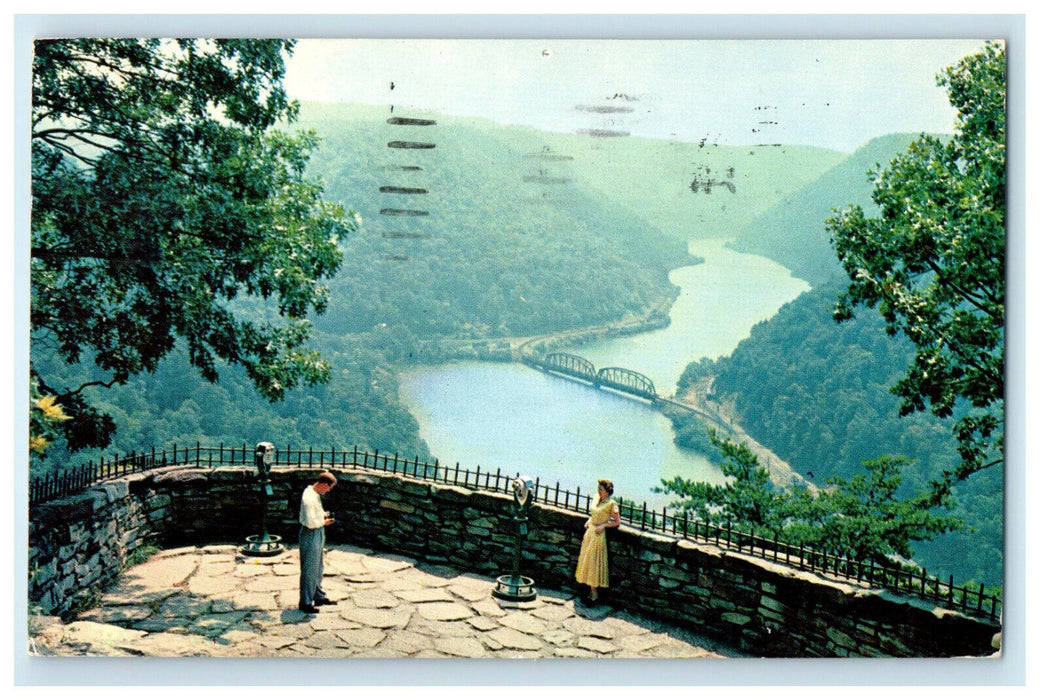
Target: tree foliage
(491,259)
(793,232)
(747,498)
(162,192)
(933,262)
(862,517)
(817,393)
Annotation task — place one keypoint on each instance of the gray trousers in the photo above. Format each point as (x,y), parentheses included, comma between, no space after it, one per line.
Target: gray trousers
(311,562)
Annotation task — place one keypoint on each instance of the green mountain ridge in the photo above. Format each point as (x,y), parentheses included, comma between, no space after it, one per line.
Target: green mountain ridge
(817,392)
(662,182)
(515,242)
(486,259)
(793,232)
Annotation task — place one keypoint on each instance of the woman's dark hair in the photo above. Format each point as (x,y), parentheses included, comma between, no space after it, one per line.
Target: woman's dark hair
(607,484)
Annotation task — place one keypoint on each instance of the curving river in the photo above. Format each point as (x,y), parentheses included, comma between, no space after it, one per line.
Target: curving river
(508,416)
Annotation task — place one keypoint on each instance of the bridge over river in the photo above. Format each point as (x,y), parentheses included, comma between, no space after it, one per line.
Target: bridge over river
(620,379)
(575,367)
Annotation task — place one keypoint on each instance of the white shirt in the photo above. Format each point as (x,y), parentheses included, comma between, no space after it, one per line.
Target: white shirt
(311,514)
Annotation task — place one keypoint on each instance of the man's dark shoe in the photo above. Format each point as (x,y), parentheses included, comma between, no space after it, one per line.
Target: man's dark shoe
(325,601)
(311,609)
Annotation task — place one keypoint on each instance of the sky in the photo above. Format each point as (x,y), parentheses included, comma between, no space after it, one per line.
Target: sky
(836,94)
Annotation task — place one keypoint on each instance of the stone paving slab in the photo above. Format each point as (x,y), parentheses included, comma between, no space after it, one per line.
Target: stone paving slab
(426,595)
(467,647)
(524,622)
(374,598)
(162,572)
(470,592)
(444,611)
(215,601)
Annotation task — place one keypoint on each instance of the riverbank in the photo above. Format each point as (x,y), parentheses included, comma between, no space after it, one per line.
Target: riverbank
(513,349)
(718,416)
(505,415)
(722,418)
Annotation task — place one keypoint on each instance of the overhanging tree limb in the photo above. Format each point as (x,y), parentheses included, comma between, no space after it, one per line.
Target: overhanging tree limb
(942,215)
(161,188)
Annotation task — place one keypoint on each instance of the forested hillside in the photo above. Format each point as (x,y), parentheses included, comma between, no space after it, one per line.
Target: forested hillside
(793,232)
(525,232)
(358,406)
(696,190)
(489,258)
(817,393)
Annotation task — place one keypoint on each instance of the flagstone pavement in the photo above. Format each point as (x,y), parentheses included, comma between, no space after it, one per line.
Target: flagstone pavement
(215,601)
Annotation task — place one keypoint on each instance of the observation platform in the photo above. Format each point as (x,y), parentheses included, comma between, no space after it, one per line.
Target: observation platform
(214,601)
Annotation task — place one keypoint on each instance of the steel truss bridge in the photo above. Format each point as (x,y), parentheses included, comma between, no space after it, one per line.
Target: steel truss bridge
(618,378)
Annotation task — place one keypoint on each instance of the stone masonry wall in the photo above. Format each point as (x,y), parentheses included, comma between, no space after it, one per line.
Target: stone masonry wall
(81,543)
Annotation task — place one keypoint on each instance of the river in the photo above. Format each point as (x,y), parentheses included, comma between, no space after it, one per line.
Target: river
(508,416)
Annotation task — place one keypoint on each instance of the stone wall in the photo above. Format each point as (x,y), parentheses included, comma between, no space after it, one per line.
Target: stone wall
(79,544)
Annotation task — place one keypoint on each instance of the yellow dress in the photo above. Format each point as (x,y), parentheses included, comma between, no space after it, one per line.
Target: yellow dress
(592,559)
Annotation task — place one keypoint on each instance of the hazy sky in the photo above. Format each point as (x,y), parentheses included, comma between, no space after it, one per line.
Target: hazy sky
(833,93)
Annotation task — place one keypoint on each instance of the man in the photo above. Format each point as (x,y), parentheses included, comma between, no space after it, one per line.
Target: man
(313,519)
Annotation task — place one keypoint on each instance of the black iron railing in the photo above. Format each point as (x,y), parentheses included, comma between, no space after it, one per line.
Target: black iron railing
(896,577)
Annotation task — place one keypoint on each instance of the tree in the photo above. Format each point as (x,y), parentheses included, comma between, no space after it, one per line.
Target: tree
(45,419)
(861,518)
(749,497)
(933,263)
(695,372)
(164,199)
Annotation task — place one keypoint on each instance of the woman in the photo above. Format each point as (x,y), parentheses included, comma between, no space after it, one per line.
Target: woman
(592,568)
